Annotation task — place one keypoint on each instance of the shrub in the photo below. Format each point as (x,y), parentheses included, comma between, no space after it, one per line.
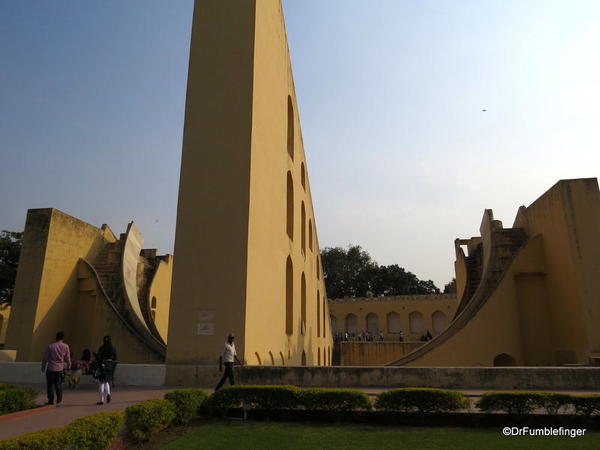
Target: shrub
(147,418)
(262,397)
(586,404)
(40,440)
(187,403)
(16,398)
(423,400)
(510,402)
(95,432)
(550,401)
(334,399)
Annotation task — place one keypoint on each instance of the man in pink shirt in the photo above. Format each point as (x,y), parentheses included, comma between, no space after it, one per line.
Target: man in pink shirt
(53,363)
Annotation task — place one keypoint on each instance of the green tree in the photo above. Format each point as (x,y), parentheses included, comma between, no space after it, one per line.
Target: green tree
(345,271)
(450,287)
(353,273)
(10,249)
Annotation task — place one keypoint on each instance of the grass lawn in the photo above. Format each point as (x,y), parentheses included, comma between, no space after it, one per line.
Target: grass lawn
(248,435)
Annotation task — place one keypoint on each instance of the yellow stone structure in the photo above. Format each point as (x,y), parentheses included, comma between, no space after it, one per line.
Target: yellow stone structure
(246,243)
(83,280)
(4,316)
(530,294)
(413,315)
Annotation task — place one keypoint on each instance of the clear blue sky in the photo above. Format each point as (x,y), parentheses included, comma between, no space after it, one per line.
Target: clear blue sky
(401,158)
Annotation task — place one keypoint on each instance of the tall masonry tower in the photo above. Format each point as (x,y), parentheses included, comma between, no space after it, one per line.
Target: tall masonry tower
(247,253)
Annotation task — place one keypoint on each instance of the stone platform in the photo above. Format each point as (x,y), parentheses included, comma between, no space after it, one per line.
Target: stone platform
(478,378)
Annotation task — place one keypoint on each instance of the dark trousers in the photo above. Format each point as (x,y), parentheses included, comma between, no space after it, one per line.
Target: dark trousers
(54,383)
(228,374)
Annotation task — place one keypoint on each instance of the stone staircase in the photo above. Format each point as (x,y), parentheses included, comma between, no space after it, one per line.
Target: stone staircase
(107,265)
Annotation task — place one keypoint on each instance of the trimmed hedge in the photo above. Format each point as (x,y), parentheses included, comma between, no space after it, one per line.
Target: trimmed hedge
(509,402)
(147,418)
(40,440)
(256,397)
(334,399)
(95,432)
(586,404)
(552,402)
(16,398)
(423,400)
(187,403)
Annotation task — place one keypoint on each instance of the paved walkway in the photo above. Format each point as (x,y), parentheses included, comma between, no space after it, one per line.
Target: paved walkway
(82,402)
(76,403)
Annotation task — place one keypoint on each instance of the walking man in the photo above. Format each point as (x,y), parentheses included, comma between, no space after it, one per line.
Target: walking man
(53,363)
(228,357)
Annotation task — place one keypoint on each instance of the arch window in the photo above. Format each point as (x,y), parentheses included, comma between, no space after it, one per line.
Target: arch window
(290,127)
(319,356)
(303,358)
(303,227)
(282,359)
(439,321)
(415,321)
(289,296)
(319,314)
(329,356)
(153,304)
(393,322)
(351,323)
(290,206)
(310,235)
(324,327)
(372,323)
(318,268)
(303,175)
(303,303)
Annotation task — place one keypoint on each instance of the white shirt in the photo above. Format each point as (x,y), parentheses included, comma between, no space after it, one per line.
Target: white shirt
(229,352)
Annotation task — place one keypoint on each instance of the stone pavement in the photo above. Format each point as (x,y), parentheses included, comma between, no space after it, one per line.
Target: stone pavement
(76,403)
(82,402)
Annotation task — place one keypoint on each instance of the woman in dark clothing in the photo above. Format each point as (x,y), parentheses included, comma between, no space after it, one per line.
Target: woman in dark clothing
(107,358)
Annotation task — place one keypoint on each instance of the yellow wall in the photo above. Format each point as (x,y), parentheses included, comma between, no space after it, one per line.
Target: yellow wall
(231,242)
(4,316)
(402,305)
(160,289)
(545,309)
(47,287)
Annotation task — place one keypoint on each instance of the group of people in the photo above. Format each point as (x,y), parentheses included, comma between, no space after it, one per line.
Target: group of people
(365,336)
(58,364)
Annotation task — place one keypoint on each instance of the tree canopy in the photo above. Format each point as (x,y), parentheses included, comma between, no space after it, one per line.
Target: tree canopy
(10,249)
(353,273)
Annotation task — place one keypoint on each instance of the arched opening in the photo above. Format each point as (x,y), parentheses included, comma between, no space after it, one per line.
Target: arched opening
(310,234)
(303,175)
(372,323)
(329,356)
(303,303)
(290,206)
(289,296)
(439,321)
(282,359)
(303,227)
(503,360)
(319,356)
(272,359)
(393,322)
(415,322)
(258,358)
(351,323)
(318,269)
(333,324)
(303,358)
(153,303)
(290,128)
(324,327)
(318,314)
